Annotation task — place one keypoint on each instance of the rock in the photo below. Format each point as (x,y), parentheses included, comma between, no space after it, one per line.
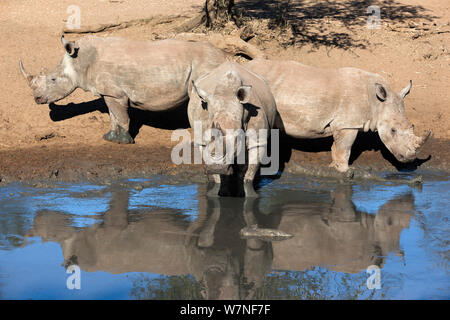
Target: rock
(264,234)
(45,136)
(416,180)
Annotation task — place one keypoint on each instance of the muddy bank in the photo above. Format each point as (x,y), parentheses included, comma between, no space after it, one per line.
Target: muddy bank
(85,163)
(63,142)
(111,161)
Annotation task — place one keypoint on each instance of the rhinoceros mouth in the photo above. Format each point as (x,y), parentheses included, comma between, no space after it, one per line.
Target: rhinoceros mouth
(219,169)
(218,159)
(405,159)
(41,100)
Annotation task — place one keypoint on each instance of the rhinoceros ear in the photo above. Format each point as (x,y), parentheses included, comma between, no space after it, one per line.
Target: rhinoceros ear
(381,92)
(405,91)
(200,92)
(244,93)
(70,47)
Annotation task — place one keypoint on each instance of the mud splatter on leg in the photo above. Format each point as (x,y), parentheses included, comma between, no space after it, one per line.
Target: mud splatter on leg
(341,148)
(120,121)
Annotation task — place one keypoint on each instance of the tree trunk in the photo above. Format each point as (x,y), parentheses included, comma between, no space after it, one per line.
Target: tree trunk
(215,14)
(218,12)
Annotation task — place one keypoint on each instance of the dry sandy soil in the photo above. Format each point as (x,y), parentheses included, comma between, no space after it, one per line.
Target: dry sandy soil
(65,141)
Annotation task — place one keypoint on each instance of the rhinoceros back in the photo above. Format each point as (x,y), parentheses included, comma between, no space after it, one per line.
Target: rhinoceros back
(154,75)
(312,102)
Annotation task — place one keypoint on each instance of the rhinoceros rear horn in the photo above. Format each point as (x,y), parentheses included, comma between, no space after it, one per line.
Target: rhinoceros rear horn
(24,73)
(70,46)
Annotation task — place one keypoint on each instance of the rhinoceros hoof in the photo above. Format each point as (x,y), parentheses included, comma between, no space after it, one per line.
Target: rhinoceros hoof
(339,167)
(119,136)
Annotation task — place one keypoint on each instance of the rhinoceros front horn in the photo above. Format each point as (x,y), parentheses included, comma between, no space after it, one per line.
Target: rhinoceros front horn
(425,138)
(25,74)
(422,140)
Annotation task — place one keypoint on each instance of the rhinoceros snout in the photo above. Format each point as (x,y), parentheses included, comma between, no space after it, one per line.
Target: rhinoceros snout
(412,151)
(407,157)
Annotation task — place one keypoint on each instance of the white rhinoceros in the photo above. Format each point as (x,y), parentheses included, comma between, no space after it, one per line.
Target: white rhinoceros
(232,99)
(149,75)
(315,103)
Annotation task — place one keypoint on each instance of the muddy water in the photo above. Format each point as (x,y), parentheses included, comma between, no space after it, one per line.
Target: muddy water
(164,239)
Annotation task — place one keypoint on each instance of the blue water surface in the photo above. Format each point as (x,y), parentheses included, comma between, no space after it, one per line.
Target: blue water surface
(151,246)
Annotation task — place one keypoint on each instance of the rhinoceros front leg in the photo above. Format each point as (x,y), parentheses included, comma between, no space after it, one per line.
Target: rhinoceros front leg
(251,222)
(120,121)
(341,148)
(206,235)
(248,180)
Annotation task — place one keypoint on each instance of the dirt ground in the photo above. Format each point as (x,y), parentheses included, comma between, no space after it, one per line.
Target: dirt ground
(64,141)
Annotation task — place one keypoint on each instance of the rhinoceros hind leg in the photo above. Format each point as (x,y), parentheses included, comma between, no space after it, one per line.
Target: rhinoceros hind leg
(214,192)
(341,148)
(250,190)
(120,135)
(248,181)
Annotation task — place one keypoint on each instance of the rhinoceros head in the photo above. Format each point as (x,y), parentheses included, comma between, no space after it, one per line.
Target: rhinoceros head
(394,129)
(226,119)
(219,284)
(58,84)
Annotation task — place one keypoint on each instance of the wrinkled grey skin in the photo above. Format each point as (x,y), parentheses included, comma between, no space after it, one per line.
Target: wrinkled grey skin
(232,97)
(314,103)
(151,75)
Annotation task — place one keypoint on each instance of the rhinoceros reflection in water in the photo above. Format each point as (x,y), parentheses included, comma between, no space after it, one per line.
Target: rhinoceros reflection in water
(326,233)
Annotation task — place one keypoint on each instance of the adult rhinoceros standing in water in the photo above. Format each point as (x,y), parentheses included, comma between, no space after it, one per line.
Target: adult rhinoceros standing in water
(151,75)
(232,100)
(314,103)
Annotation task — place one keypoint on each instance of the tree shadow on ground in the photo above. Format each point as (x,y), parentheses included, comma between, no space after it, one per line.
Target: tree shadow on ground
(329,23)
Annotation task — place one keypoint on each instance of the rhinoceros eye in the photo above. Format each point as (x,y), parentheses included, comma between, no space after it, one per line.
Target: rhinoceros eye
(204,105)
(393,131)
